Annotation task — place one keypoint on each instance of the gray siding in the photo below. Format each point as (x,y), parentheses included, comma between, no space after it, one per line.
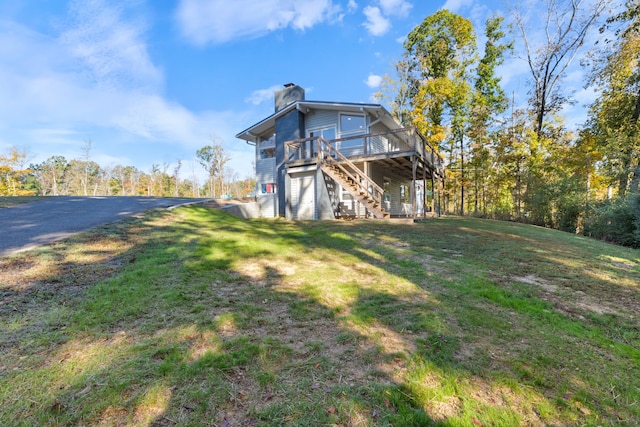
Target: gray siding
(265,171)
(321,119)
(328,198)
(395,207)
(268,205)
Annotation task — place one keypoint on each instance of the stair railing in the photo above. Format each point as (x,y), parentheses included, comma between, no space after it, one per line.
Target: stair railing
(330,155)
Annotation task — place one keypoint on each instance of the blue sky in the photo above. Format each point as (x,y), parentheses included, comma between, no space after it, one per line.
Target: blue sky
(150,82)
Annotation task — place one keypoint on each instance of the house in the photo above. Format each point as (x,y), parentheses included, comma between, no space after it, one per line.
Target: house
(328,160)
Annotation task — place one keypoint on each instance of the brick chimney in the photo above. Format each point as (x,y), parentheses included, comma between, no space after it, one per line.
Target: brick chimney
(290,94)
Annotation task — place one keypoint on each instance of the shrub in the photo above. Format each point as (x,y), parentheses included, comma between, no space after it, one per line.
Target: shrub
(616,221)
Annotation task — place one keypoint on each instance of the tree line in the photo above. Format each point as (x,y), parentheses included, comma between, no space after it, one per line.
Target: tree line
(521,162)
(57,176)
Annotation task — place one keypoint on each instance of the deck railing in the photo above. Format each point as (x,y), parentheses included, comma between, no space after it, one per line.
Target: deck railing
(389,142)
(364,185)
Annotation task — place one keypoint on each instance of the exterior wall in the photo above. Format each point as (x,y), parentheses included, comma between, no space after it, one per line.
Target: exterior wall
(266,174)
(318,119)
(288,127)
(328,196)
(268,204)
(395,207)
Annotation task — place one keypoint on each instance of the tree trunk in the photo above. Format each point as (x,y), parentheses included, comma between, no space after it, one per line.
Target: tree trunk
(462,176)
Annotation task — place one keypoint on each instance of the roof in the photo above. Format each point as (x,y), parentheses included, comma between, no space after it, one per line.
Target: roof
(252,133)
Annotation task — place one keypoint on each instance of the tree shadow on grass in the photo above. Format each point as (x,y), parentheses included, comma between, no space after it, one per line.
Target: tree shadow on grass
(214,320)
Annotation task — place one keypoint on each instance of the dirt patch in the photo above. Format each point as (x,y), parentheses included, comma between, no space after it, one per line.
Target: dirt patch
(576,302)
(537,281)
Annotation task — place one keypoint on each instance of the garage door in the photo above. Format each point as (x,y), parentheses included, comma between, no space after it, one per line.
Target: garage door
(303,196)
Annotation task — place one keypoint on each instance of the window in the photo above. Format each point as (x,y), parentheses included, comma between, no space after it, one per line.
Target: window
(352,125)
(268,142)
(267,153)
(404,193)
(268,188)
(386,188)
(327,134)
(267,147)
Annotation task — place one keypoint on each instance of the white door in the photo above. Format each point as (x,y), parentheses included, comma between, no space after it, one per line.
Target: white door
(303,197)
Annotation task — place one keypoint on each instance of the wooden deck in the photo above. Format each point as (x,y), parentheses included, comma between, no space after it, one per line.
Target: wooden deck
(403,152)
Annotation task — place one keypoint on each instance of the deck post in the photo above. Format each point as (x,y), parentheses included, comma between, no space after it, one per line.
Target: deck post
(424,190)
(414,167)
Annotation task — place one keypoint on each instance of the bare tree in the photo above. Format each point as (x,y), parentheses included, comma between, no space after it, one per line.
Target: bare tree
(176,177)
(195,189)
(86,155)
(565,26)
(213,158)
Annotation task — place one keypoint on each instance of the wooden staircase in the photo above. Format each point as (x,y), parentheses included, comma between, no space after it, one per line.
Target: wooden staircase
(357,183)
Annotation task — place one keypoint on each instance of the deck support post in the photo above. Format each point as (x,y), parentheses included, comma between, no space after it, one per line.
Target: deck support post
(414,167)
(424,191)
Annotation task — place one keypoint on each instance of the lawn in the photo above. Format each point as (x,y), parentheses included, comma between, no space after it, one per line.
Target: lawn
(195,317)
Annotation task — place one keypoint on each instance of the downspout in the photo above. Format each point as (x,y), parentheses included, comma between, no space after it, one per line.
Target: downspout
(251,142)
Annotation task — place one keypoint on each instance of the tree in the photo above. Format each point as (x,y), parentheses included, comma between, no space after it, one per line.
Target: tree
(12,173)
(438,53)
(435,84)
(566,25)
(80,176)
(489,101)
(176,178)
(213,158)
(86,155)
(615,115)
(50,175)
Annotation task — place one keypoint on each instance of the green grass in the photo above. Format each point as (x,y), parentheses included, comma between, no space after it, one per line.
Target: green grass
(194,317)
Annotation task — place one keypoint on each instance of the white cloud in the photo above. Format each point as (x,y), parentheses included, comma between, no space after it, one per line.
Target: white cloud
(352,6)
(395,7)
(109,47)
(373,81)
(259,96)
(220,21)
(376,24)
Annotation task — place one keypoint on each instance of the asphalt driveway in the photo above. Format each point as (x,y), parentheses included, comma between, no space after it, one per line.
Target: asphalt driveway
(26,226)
